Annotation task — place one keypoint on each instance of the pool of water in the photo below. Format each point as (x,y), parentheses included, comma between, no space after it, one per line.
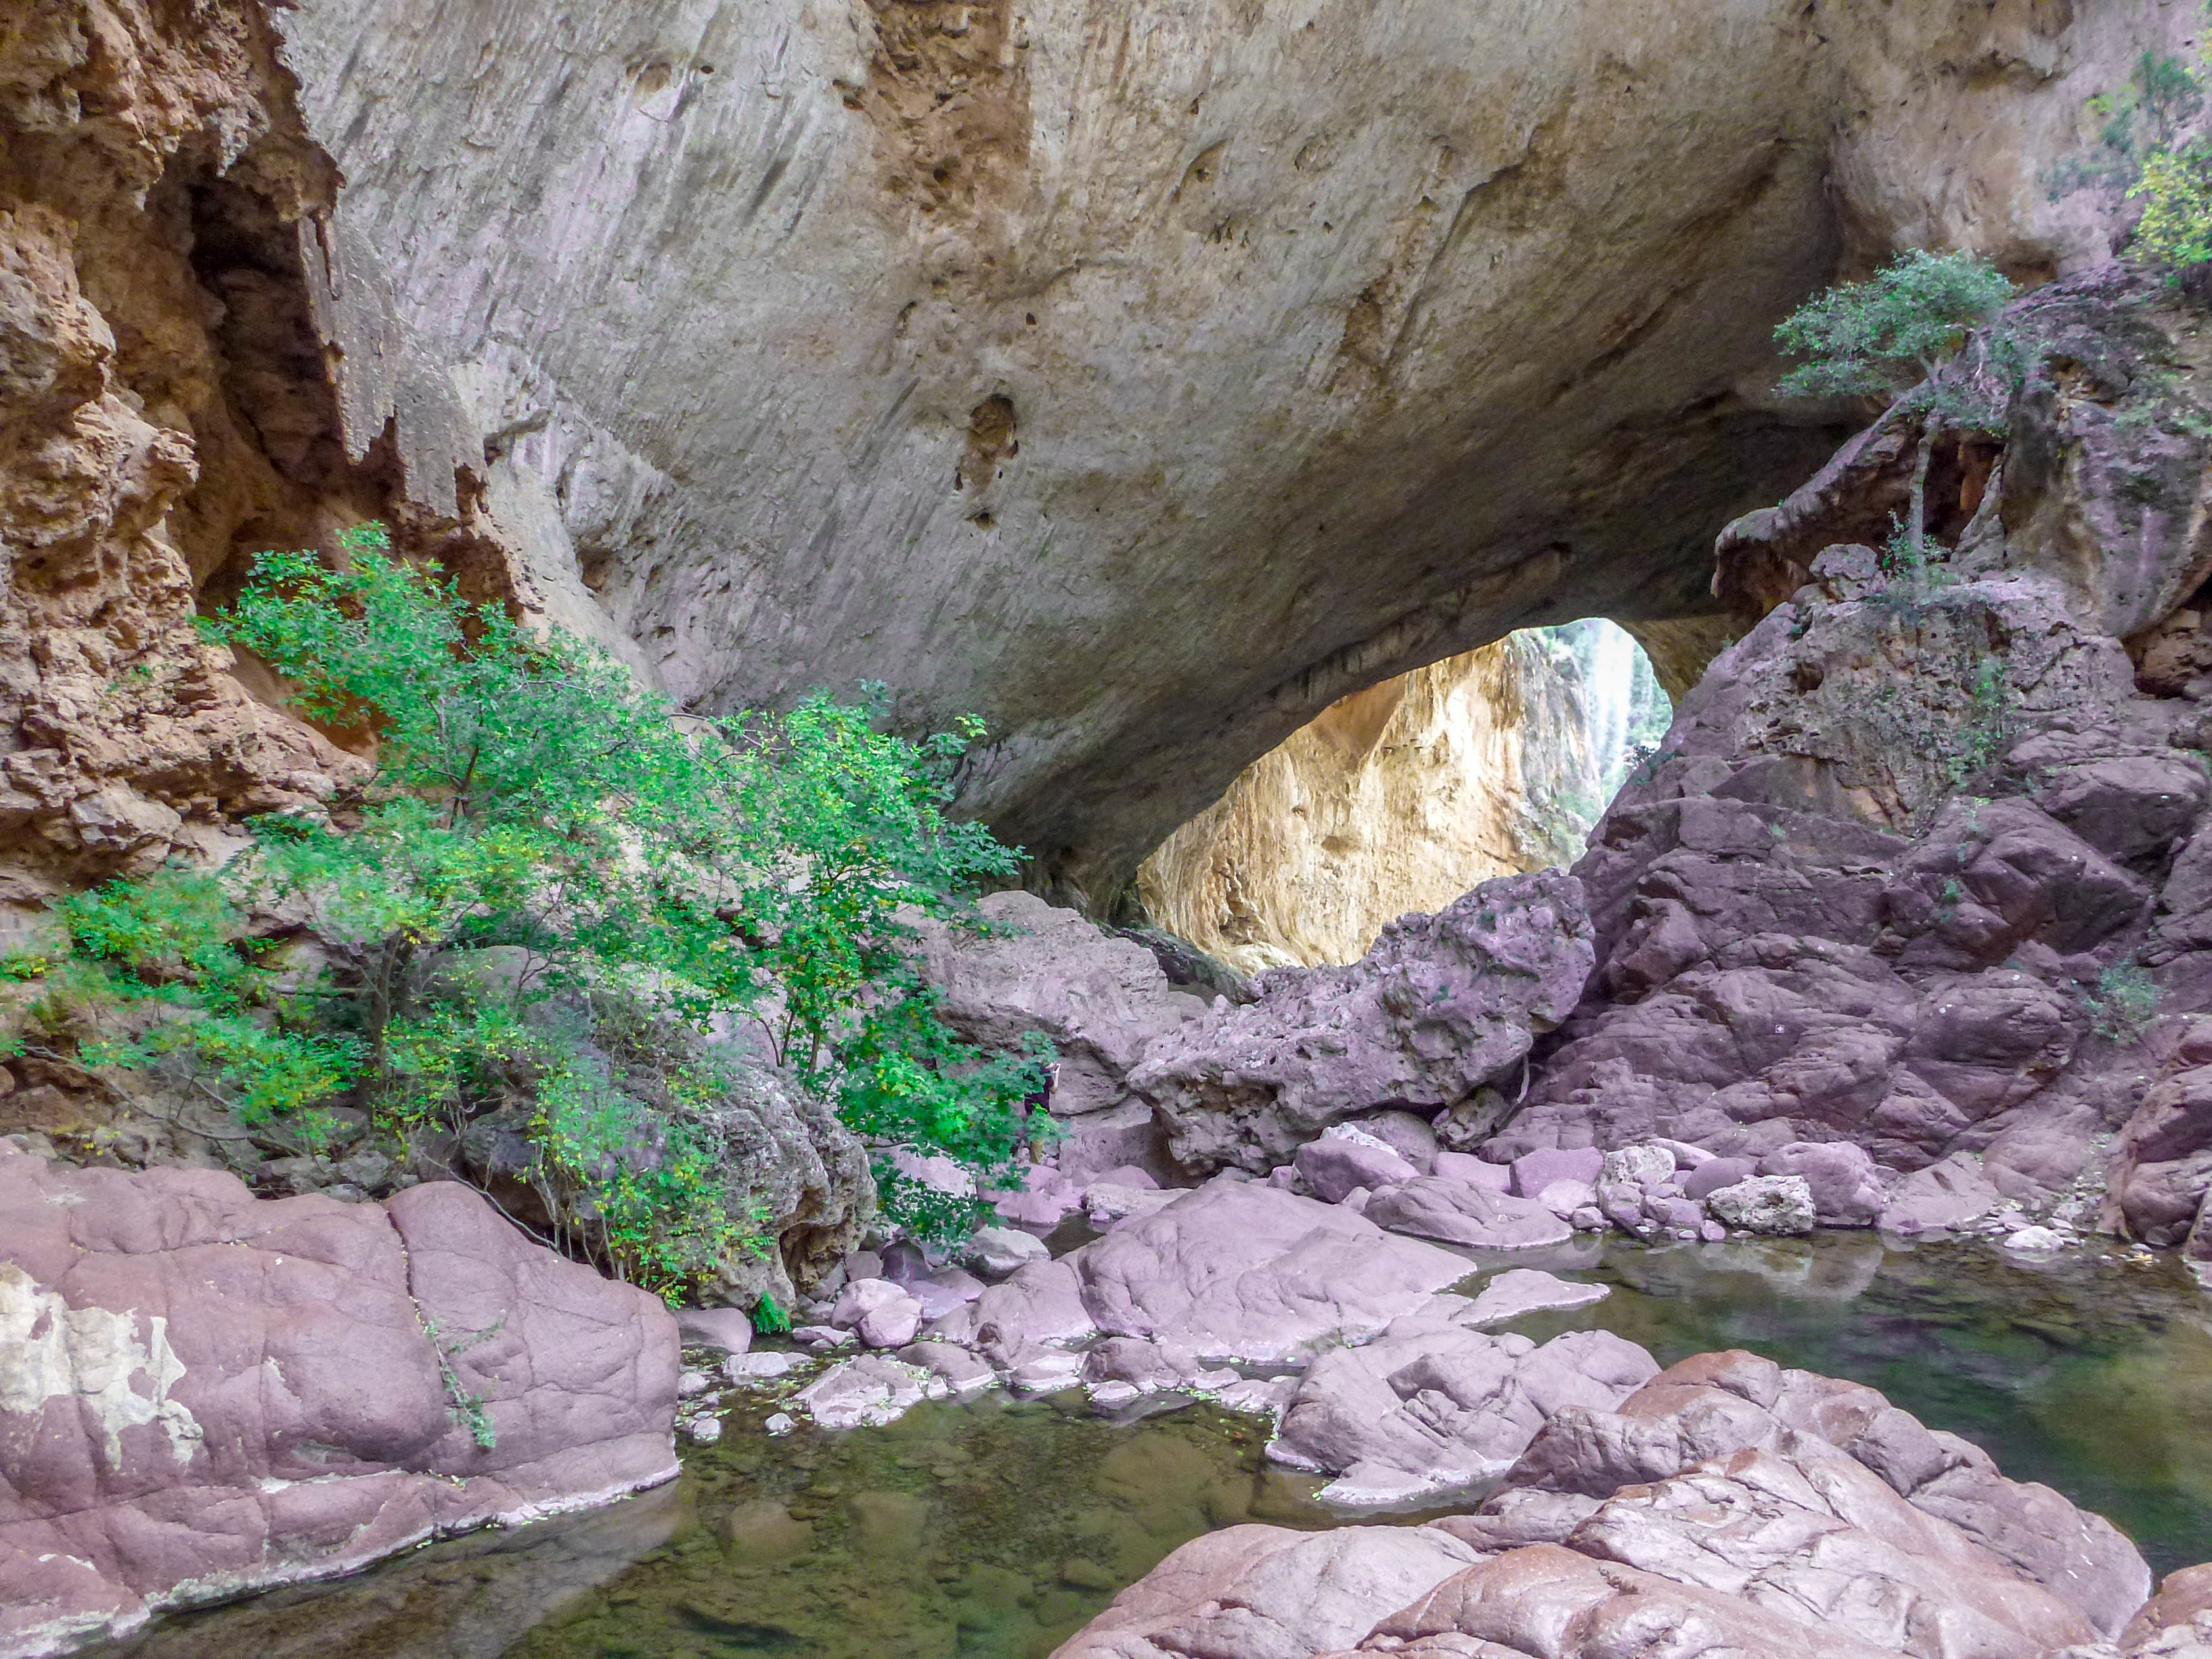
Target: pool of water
(993,1530)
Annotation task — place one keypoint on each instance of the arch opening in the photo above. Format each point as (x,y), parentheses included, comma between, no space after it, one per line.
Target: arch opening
(1401,797)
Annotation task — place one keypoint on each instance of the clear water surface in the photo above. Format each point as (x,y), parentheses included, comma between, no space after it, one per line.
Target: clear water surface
(993,1530)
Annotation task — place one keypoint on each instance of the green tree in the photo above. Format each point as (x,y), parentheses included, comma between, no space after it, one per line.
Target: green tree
(556,890)
(1888,336)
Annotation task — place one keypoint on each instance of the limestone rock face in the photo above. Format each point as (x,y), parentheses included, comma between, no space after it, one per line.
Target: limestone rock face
(1441,1006)
(202,1393)
(1916,868)
(1397,798)
(1148,379)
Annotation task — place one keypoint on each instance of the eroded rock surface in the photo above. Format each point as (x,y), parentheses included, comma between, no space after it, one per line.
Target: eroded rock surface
(1441,1006)
(1461,316)
(202,1393)
(1726,1506)
(1916,868)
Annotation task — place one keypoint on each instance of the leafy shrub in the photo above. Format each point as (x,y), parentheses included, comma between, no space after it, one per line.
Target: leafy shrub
(2123,1004)
(556,894)
(1888,336)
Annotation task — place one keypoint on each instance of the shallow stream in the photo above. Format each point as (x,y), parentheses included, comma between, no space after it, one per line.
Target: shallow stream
(993,1530)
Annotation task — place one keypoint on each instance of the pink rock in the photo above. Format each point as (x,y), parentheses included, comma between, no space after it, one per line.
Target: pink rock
(280,1413)
(1333,1165)
(1465,1166)
(1565,1197)
(1434,1206)
(1534,1171)
(1709,1177)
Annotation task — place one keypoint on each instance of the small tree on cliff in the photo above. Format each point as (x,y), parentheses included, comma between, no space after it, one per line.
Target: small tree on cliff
(1887,337)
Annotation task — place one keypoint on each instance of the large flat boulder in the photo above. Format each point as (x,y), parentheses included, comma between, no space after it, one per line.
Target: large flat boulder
(202,1393)
(1236,1270)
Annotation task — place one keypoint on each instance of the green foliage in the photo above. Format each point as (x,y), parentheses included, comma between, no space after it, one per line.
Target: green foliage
(2123,1004)
(1886,335)
(2145,146)
(553,900)
(464,1406)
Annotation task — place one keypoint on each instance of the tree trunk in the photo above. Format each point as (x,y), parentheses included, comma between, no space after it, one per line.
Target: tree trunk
(1917,513)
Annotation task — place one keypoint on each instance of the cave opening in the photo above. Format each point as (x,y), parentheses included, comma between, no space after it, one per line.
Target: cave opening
(1401,797)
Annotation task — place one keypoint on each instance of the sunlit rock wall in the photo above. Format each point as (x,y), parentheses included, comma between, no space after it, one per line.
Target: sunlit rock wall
(1403,796)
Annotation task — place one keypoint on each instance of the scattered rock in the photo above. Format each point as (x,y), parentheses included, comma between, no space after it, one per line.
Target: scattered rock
(960,1370)
(1465,1166)
(1434,1206)
(1534,1172)
(998,1252)
(2033,1241)
(1767,1205)
(867,1392)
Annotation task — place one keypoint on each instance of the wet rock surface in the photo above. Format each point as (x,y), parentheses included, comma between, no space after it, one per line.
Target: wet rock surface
(207,1393)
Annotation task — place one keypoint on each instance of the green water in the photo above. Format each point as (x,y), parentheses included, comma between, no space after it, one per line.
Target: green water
(993,1529)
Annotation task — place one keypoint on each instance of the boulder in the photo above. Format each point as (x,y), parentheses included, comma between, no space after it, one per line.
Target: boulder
(1432,1406)
(1776,1204)
(1947,1195)
(213,1393)
(1710,1177)
(1034,968)
(1534,1171)
(1465,1166)
(1726,1506)
(1269,1593)
(1435,1206)
(1520,1290)
(1405,1133)
(720,1330)
(1335,1163)
(1847,1189)
(997,1252)
(1440,1006)
(882,1314)
(1240,1270)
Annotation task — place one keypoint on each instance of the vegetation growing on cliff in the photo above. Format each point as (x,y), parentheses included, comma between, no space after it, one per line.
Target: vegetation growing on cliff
(2147,147)
(558,900)
(1888,336)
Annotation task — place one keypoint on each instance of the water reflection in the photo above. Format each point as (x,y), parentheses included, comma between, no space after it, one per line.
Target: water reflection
(992,1530)
(2091,1372)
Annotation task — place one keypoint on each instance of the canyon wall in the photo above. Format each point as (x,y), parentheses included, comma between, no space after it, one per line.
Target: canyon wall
(1148,378)
(1399,798)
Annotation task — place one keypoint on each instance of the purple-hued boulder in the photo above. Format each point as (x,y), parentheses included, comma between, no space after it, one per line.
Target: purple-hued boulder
(1534,1171)
(218,1392)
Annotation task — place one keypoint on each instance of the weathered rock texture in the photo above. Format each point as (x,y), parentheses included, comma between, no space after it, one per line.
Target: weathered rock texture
(1726,1507)
(170,399)
(1441,1006)
(1397,798)
(202,1393)
(1148,379)
(1917,865)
